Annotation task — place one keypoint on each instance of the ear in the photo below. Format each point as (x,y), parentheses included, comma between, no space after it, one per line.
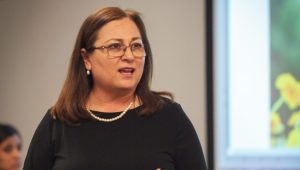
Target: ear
(86,59)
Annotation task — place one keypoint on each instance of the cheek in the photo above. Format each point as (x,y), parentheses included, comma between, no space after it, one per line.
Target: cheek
(141,65)
(3,160)
(97,61)
(101,67)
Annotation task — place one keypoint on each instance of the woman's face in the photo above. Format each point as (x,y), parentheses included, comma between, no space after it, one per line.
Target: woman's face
(10,158)
(118,73)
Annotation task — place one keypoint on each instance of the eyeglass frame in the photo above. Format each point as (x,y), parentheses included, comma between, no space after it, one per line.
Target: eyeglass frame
(123,48)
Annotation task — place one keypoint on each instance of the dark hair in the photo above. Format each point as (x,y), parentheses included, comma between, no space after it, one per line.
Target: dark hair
(7,131)
(70,106)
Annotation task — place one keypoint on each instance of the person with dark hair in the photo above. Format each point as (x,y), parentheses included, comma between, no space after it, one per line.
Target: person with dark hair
(10,148)
(106,116)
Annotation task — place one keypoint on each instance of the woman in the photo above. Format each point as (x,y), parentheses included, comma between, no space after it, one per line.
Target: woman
(10,148)
(106,116)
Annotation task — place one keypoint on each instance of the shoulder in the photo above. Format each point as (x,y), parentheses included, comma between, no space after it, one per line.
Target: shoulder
(48,117)
(40,151)
(172,110)
(170,105)
(47,122)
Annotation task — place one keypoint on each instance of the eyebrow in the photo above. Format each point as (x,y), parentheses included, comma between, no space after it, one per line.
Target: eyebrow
(121,40)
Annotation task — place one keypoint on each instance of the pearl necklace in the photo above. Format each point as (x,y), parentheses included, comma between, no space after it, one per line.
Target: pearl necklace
(110,119)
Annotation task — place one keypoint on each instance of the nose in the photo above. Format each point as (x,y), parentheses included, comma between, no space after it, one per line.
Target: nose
(128,55)
(16,153)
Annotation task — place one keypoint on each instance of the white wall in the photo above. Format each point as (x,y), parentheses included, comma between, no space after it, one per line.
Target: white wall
(37,37)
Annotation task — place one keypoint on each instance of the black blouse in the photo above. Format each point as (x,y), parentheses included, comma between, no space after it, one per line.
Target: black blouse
(165,140)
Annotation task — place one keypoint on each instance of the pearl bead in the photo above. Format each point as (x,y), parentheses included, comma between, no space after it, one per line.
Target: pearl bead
(110,119)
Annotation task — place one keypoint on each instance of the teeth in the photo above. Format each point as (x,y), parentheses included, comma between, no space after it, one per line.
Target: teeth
(127,70)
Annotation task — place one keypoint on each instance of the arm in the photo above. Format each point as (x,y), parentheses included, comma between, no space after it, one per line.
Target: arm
(189,154)
(40,152)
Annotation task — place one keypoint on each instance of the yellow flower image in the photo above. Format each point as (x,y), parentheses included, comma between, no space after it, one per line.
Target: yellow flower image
(294,135)
(289,89)
(276,124)
(294,138)
(295,119)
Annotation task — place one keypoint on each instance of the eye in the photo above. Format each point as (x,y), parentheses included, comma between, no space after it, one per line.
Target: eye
(19,147)
(8,149)
(137,45)
(114,46)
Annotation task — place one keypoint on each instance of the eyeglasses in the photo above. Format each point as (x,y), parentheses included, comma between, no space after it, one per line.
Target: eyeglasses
(118,49)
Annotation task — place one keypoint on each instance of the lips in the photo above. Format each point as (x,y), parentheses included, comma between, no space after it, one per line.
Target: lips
(16,165)
(126,70)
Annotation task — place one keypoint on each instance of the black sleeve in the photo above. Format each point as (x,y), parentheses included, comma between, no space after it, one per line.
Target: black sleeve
(40,152)
(189,154)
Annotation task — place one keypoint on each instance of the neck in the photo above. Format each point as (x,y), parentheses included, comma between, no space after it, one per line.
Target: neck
(103,101)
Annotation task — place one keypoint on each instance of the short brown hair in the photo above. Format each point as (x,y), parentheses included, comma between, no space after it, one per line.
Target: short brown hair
(70,106)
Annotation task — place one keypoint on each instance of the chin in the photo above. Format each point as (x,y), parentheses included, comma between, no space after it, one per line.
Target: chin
(127,87)
(15,167)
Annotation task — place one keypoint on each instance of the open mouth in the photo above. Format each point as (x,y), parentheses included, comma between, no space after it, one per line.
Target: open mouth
(126,70)
(16,165)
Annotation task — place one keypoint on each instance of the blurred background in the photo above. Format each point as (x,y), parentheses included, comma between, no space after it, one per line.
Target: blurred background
(285,73)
